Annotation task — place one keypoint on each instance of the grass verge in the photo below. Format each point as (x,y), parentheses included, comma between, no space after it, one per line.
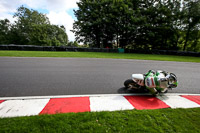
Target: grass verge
(160,120)
(99,55)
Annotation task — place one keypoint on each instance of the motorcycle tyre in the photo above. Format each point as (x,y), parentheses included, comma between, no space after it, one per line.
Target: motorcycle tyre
(133,84)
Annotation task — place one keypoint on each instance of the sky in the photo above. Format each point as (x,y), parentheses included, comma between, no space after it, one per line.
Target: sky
(59,12)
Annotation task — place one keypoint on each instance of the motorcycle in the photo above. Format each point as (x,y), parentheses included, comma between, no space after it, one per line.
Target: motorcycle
(138,82)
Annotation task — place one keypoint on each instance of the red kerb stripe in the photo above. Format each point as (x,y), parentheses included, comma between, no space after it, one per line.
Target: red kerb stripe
(2,101)
(66,105)
(146,102)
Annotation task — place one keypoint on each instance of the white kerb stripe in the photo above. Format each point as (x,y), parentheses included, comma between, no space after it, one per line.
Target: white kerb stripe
(13,108)
(178,102)
(110,103)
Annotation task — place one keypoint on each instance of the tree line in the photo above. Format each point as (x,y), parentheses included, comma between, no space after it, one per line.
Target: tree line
(31,28)
(139,24)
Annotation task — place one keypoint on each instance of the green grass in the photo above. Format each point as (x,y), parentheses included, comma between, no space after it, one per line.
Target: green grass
(134,121)
(99,55)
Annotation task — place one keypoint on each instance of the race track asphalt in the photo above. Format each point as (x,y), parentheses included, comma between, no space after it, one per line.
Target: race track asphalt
(77,76)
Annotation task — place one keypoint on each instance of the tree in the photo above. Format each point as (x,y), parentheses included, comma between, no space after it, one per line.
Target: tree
(88,28)
(34,28)
(4,31)
(48,35)
(146,24)
(191,20)
(25,20)
(100,22)
(72,44)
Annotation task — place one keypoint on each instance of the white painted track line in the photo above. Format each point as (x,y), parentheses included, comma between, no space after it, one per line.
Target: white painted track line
(65,96)
(91,95)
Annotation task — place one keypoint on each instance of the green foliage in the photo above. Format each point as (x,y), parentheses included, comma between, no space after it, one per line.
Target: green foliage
(192,25)
(32,28)
(4,31)
(73,44)
(155,24)
(48,35)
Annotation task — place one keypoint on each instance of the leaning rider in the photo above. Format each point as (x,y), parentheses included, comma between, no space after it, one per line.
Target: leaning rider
(160,81)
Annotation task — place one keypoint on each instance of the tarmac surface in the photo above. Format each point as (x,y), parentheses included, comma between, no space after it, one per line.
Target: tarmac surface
(20,76)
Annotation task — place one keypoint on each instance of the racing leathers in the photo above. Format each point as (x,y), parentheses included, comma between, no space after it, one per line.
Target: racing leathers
(156,81)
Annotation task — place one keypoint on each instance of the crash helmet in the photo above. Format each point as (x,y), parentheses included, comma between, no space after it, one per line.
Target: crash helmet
(172,80)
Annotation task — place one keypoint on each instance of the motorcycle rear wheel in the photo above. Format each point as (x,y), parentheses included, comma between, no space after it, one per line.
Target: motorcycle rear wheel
(129,83)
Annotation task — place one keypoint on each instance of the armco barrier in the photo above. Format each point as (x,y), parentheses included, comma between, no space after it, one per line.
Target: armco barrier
(54,48)
(76,49)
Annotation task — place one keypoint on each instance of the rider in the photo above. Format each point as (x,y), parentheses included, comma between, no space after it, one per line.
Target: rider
(160,81)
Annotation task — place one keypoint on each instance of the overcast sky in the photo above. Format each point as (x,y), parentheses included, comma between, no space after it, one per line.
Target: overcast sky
(59,12)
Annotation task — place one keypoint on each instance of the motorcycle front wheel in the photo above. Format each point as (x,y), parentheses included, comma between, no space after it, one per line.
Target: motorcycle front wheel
(129,83)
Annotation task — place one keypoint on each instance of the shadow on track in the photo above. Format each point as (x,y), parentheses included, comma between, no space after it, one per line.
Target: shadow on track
(126,90)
